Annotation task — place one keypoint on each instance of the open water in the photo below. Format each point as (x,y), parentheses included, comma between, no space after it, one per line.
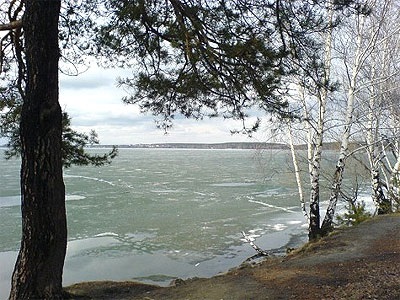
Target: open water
(158,214)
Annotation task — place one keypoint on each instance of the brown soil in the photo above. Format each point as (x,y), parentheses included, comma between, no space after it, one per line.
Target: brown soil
(362,262)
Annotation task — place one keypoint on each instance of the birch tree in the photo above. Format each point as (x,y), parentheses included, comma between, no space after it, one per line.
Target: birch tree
(322,96)
(394,146)
(361,37)
(314,81)
(389,90)
(380,87)
(297,172)
(365,39)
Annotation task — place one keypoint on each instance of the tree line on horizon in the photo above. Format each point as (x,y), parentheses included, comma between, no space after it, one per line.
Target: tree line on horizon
(321,70)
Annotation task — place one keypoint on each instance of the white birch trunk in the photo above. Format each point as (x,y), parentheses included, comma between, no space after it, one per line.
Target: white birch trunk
(391,49)
(380,71)
(297,173)
(394,183)
(309,129)
(377,193)
(314,225)
(344,148)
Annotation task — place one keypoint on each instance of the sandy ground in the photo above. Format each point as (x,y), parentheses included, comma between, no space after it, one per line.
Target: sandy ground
(361,262)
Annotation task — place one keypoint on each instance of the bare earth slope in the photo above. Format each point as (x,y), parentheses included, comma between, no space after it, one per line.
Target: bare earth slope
(361,262)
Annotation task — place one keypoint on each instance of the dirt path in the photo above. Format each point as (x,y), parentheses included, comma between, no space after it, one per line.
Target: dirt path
(362,262)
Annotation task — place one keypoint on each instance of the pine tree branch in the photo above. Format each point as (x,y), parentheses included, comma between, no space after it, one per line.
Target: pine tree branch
(12,25)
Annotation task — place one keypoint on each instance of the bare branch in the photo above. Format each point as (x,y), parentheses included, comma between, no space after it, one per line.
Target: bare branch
(254,246)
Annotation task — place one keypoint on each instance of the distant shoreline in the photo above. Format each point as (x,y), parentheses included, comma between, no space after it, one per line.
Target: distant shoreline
(225,145)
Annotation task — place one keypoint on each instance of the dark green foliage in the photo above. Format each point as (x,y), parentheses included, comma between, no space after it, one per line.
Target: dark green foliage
(214,58)
(10,112)
(75,20)
(73,142)
(73,145)
(356,213)
(196,58)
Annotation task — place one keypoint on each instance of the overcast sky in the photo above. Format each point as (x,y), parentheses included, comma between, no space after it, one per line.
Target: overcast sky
(94,102)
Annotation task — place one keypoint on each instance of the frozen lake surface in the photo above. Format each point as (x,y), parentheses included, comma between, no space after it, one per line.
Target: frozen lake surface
(157,214)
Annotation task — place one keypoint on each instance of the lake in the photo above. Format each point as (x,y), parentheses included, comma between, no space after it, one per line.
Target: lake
(158,214)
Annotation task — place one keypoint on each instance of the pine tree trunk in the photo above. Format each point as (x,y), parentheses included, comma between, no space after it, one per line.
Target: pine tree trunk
(38,270)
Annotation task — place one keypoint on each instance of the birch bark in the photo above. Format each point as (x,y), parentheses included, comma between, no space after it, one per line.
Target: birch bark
(344,147)
(297,173)
(314,226)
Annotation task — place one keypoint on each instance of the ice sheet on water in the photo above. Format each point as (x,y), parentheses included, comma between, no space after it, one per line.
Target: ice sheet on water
(294,222)
(369,203)
(7,260)
(79,246)
(89,178)
(74,197)
(166,191)
(10,201)
(272,206)
(106,234)
(279,227)
(233,184)
(140,235)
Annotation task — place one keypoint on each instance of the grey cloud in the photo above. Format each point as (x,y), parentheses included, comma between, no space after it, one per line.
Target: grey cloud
(92,81)
(102,119)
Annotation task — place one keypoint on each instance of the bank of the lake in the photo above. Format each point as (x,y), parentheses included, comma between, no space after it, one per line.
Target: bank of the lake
(361,262)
